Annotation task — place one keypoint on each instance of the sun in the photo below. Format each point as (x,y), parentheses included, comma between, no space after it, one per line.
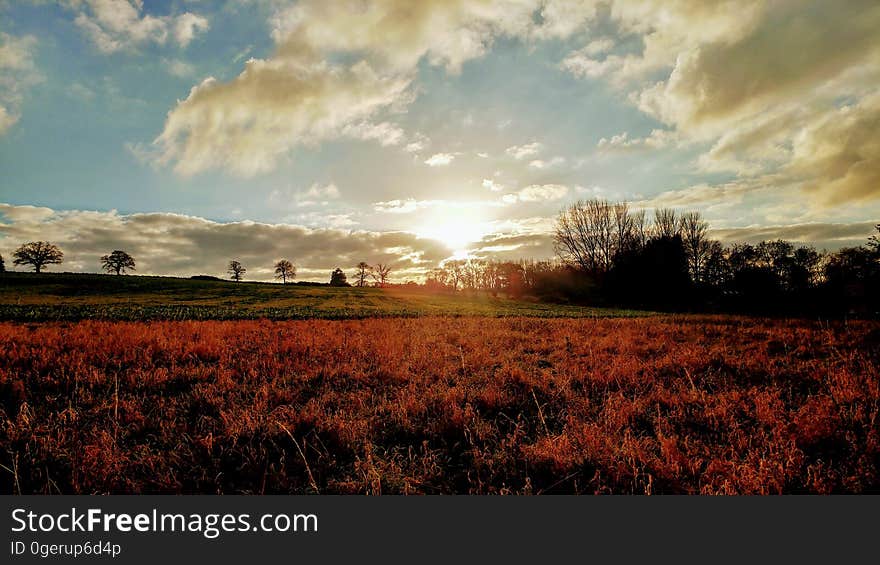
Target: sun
(455,227)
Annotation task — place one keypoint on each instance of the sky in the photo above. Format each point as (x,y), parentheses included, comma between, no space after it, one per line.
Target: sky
(189,133)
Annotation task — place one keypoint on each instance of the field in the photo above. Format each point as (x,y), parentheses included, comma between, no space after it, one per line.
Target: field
(25,297)
(440,405)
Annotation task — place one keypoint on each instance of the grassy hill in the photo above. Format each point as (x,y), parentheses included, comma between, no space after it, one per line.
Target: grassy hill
(65,296)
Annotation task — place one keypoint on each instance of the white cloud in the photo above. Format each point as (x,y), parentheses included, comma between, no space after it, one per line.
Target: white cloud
(385,133)
(115,25)
(537,193)
(542,164)
(18,73)
(316,195)
(492,185)
(187,26)
(404,206)
(178,68)
(439,159)
(248,124)
(522,151)
(621,142)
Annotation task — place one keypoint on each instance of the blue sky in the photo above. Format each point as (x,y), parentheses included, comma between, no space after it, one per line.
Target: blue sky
(444,127)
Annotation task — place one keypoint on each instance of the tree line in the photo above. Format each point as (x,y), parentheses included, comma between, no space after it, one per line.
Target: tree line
(610,254)
(607,253)
(40,254)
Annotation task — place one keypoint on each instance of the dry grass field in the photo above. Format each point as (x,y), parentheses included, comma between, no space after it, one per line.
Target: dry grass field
(440,405)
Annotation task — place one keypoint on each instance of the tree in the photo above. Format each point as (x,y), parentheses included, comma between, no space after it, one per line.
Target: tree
(117,262)
(590,234)
(380,273)
(2,264)
(694,233)
(285,270)
(666,223)
(338,278)
(236,271)
(874,241)
(38,254)
(363,273)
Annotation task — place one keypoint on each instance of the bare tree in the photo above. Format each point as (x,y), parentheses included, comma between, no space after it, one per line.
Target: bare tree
(454,273)
(236,271)
(363,272)
(590,234)
(117,262)
(285,270)
(666,223)
(694,232)
(380,273)
(641,229)
(38,254)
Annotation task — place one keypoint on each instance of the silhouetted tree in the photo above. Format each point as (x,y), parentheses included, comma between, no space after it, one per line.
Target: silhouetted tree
(338,278)
(363,272)
(874,241)
(654,275)
(38,254)
(285,270)
(589,234)
(716,267)
(666,223)
(380,273)
(117,262)
(236,271)
(2,264)
(694,234)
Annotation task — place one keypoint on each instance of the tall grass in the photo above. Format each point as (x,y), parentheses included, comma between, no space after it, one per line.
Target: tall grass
(440,405)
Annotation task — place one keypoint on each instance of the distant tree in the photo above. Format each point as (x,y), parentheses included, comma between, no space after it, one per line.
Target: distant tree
(117,262)
(363,273)
(38,254)
(666,223)
(874,241)
(694,234)
(236,271)
(380,273)
(590,234)
(338,278)
(285,270)
(716,267)
(2,264)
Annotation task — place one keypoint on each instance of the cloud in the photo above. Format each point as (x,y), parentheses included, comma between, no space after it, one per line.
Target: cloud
(116,25)
(187,26)
(385,133)
(657,139)
(522,151)
(178,68)
(838,155)
(760,81)
(492,185)
(542,164)
(17,74)
(334,65)
(316,195)
(537,193)
(823,235)
(174,244)
(404,206)
(249,124)
(439,159)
